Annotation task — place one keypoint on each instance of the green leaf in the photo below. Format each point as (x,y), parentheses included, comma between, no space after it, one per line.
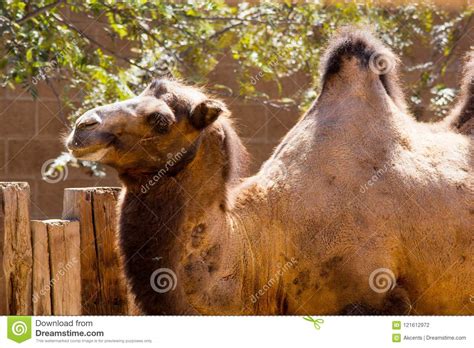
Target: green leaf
(29,55)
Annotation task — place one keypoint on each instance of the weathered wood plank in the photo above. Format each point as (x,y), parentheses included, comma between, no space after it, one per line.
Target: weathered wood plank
(78,206)
(64,250)
(104,291)
(41,271)
(113,290)
(73,275)
(16,259)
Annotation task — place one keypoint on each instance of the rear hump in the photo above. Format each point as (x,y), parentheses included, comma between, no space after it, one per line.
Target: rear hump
(372,55)
(461,119)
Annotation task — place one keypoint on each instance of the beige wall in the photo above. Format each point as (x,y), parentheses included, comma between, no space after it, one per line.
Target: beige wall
(31,129)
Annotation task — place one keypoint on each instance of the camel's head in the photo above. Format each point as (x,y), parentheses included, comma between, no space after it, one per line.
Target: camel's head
(143,133)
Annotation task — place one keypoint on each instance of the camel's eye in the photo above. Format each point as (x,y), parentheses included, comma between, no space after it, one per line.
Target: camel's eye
(158,122)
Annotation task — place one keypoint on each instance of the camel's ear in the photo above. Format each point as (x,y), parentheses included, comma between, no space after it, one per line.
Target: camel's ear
(206,112)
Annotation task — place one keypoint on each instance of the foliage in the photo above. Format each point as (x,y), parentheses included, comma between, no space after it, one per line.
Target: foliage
(269,41)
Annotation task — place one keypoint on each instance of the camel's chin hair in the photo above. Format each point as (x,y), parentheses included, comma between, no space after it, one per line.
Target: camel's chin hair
(94,156)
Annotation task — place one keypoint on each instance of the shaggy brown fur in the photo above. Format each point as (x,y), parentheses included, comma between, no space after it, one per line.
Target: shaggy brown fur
(357,190)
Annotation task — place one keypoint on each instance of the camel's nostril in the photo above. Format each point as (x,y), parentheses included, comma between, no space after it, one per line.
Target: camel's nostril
(88,122)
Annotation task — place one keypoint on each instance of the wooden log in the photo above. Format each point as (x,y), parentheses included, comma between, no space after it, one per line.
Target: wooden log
(41,271)
(16,260)
(104,291)
(78,205)
(113,291)
(64,251)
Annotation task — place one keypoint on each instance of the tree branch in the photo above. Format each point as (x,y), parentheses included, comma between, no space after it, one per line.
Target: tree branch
(242,19)
(39,11)
(95,42)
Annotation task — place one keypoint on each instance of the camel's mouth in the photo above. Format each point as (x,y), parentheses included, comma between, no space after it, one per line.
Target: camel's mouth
(91,153)
(90,146)
(87,152)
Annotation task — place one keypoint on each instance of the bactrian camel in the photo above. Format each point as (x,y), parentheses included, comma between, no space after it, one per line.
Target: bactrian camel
(360,209)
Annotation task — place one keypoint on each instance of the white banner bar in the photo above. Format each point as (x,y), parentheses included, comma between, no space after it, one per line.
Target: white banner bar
(201,331)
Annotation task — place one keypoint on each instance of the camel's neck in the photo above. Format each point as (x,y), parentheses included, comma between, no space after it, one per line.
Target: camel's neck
(173,226)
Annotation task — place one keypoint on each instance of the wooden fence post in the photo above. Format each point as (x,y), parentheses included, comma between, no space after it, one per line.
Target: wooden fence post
(103,288)
(15,249)
(41,271)
(56,267)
